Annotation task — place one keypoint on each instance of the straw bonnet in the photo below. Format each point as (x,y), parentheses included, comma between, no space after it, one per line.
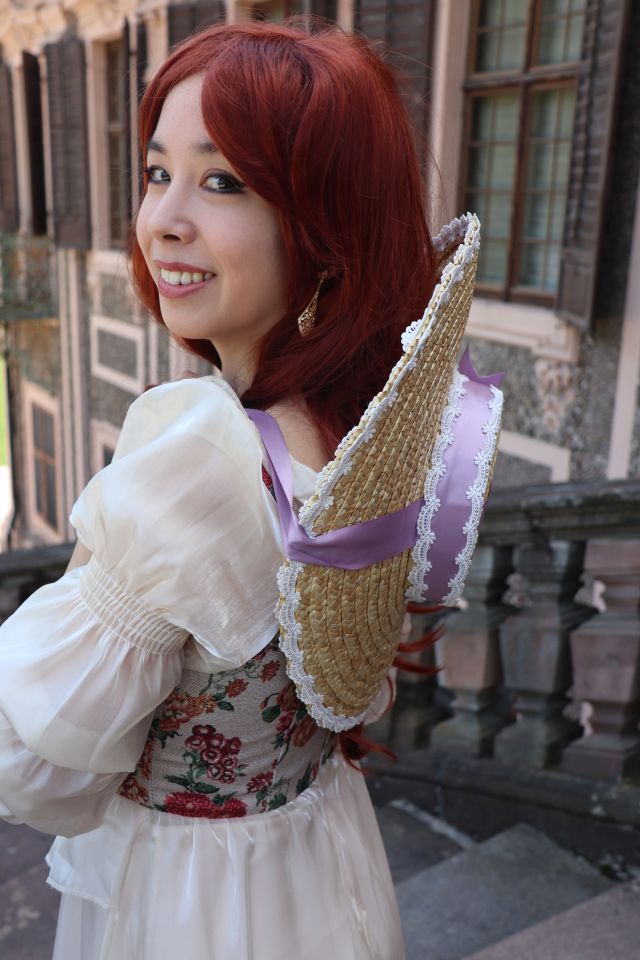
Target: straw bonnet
(394,516)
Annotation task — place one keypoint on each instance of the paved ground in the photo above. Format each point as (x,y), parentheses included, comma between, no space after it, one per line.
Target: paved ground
(28,905)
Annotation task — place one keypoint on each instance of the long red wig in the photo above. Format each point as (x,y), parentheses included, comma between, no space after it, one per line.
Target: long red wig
(314,121)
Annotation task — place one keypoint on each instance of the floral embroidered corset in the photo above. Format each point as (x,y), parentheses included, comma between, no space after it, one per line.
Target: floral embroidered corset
(230,744)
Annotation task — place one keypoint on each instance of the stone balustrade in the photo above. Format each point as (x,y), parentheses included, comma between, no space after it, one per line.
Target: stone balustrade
(541,664)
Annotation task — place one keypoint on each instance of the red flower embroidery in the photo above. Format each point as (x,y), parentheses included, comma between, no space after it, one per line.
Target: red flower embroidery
(234,807)
(144,763)
(269,670)
(284,721)
(195,805)
(304,731)
(260,781)
(179,709)
(287,698)
(266,479)
(236,687)
(190,805)
(132,790)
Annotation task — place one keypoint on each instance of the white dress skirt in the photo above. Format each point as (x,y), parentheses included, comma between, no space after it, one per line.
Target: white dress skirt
(248,840)
(309,880)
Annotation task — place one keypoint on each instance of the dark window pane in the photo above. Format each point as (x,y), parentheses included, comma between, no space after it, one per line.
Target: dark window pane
(51,514)
(487,51)
(492,261)
(499,215)
(507,111)
(536,214)
(512,49)
(551,49)
(39,480)
(47,429)
(478,203)
(574,40)
(532,265)
(556,222)
(561,27)
(482,124)
(540,165)
(490,13)
(502,166)
(479,164)
(552,7)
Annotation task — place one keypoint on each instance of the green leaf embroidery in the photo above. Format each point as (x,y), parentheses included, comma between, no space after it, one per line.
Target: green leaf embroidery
(205,788)
(181,781)
(270,714)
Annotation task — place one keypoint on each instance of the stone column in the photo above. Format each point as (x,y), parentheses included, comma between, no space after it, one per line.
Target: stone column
(471,658)
(536,656)
(606,661)
(420,701)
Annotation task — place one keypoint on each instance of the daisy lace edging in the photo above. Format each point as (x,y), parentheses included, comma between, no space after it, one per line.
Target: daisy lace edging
(290,634)
(476,494)
(418,589)
(413,340)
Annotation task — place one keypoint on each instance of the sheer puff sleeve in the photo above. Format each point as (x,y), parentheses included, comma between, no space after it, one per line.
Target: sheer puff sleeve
(184,543)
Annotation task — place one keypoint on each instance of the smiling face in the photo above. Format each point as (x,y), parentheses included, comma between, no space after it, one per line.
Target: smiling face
(198,218)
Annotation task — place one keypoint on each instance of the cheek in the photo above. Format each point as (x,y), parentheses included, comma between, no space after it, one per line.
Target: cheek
(142,233)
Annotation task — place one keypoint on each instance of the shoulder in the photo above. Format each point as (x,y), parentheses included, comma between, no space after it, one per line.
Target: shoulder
(205,407)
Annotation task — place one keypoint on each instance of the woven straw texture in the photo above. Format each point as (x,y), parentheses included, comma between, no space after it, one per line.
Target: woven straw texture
(348,621)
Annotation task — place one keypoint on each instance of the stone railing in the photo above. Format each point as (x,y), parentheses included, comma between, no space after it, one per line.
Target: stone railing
(540,667)
(22,572)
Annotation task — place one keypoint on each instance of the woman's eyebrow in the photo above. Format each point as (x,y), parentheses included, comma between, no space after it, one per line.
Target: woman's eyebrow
(205,146)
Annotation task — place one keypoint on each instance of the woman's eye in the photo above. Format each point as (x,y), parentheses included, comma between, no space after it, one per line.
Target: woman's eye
(225,182)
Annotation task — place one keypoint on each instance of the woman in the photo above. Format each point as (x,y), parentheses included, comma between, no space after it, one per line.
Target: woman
(155,711)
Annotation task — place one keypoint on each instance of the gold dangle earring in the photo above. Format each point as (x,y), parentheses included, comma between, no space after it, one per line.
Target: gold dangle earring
(307,318)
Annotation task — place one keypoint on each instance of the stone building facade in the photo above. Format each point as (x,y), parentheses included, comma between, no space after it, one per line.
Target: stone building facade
(529,109)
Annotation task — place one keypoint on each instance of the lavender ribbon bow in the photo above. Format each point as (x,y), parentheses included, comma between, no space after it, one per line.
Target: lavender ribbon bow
(371,541)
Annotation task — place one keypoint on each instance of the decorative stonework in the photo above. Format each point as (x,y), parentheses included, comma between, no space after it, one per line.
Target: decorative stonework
(555,382)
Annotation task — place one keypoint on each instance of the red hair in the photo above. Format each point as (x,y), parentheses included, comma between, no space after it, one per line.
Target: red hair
(314,122)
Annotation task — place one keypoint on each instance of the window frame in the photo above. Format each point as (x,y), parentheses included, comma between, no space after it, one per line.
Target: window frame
(531,78)
(34,395)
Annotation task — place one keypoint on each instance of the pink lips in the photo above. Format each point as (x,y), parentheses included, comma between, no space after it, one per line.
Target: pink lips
(173,291)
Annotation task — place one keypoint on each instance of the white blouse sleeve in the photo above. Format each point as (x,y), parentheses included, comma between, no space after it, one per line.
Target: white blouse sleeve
(183,543)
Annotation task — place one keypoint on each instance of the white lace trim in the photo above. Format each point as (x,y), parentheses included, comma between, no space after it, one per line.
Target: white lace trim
(413,340)
(476,494)
(420,554)
(467,229)
(289,636)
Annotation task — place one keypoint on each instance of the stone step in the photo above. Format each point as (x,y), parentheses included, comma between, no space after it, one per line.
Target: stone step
(606,926)
(490,891)
(415,840)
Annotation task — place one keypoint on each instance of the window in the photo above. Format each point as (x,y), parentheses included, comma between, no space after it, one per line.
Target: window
(44,465)
(118,141)
(521,99)
(275,10)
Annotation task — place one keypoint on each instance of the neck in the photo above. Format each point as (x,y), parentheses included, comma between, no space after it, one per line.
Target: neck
(238,367)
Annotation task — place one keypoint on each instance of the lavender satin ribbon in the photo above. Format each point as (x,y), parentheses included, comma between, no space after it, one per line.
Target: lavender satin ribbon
(362,544)
(349,548)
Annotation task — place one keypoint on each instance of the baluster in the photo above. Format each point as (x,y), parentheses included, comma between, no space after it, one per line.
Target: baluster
(536,656)
(420,702)
(471,657)
(606,657)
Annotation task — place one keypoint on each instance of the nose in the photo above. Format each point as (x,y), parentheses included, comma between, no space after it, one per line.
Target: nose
(169,219)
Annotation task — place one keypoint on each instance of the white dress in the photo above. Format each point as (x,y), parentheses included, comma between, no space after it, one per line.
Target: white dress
(185,544)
